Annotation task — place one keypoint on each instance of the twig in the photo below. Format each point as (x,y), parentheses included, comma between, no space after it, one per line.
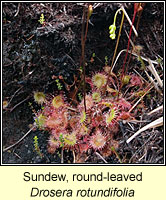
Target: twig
(131,42)
(154,124)
(136,121)
(140,76)
(130,126)
(7,148)
(72,109)
(154,72)
(140,99)
(101,157)
(14,95)
(74,157)
(18,9)
(142,156)
(153,82)
(124,50)
(30,37)
(156,110)
(96,5)
(19,104)
(129,20)
(141,147)
(17,155)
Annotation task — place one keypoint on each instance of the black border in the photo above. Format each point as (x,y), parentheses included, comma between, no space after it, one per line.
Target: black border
(82,164)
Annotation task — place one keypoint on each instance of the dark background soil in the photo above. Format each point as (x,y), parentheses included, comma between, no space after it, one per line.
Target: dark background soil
(32,54)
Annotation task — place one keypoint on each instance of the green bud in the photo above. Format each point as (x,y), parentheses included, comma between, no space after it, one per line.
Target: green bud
(112,28)
(90,10)
(126,79)
(113,36)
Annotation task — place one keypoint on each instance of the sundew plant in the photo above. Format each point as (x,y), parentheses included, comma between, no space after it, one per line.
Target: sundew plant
(70,127)
(92,123)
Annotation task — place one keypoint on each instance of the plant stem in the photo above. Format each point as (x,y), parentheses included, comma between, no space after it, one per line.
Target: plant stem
(83,40)
(82,62)
(116,47)
(128,45)
(139,16)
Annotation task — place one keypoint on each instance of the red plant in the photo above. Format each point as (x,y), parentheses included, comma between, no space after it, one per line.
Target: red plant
(137,8)
(136,81)
(98,140)
(77,130)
